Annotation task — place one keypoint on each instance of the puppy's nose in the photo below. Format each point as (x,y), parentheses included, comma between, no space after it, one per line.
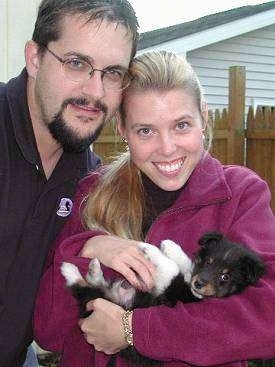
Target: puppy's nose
(199,283)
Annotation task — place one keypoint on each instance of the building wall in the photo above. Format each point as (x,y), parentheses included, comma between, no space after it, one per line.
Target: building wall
(16,25)
(254,50)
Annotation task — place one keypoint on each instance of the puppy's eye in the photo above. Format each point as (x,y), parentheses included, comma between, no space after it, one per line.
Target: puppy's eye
(225,277)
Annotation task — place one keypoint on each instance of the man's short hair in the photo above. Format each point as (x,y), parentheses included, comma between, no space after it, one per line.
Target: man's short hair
(51,12)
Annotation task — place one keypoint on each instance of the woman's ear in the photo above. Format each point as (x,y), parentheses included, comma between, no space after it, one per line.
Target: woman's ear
(120,127)
(32,58)
(204,112)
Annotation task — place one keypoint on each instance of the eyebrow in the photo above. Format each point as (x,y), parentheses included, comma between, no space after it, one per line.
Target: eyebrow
(87,58)
(91,61)
(141,126)
(144,124)
(183,117)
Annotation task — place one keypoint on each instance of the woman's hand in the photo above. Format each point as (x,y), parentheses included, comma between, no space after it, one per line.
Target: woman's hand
(103,328)
(123,256)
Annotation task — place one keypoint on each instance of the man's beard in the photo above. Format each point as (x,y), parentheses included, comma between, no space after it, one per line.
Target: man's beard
(66,136)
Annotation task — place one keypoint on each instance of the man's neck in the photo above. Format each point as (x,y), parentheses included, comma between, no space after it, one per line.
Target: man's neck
(50,151)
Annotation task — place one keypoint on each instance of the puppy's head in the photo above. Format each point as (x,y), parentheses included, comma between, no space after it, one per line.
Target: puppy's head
(223,268)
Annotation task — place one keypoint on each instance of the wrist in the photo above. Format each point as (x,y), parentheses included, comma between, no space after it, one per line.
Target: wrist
(127,327)
(88,249)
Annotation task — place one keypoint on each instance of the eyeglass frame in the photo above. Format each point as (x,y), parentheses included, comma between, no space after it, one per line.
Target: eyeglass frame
(92,70)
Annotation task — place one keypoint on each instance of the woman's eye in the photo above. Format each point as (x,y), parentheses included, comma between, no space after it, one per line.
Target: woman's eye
(144,131)
(182,125)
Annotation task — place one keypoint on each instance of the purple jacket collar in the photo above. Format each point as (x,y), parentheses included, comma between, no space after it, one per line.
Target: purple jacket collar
(206,185)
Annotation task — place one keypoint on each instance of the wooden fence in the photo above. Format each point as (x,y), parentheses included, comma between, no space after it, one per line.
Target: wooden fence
(240,137)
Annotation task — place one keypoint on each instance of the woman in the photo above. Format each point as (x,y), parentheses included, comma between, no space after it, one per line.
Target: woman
(166,186)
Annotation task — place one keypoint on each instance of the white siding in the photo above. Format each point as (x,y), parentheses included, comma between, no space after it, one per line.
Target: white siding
(254,50)
(16,25)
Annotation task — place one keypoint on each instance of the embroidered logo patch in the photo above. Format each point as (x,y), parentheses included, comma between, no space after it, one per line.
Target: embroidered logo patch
(65,207)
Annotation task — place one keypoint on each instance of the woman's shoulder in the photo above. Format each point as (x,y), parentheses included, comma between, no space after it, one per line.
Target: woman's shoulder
(236,177)
(91,179)
(243,181)
(241,174)
(231,172)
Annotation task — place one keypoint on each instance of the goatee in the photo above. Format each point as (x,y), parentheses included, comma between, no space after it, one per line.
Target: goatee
(66,136)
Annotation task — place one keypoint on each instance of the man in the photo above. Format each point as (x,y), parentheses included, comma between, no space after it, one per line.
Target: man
(76,68)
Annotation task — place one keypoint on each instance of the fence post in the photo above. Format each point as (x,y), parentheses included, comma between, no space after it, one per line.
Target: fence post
(236,114)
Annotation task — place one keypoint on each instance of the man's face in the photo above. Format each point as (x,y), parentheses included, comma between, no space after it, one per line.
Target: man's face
(75,112)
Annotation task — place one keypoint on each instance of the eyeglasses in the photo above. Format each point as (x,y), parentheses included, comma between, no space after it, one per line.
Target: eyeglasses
(79,70)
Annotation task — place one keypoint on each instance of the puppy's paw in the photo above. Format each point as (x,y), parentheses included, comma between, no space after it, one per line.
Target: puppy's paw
(166,269)
(176,253)
(95,276)
(151,252)
(171,249)
(71,273)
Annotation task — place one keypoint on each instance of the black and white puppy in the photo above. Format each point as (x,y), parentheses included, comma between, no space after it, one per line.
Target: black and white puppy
(220,268)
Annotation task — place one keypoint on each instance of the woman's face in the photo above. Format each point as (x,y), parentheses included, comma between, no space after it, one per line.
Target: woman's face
(164,130)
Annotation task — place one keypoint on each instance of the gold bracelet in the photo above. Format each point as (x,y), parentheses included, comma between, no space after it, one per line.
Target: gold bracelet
(128,334)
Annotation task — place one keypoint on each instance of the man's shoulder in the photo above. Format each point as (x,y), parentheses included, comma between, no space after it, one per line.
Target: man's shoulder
(3,100)
(14,87)
(3,89)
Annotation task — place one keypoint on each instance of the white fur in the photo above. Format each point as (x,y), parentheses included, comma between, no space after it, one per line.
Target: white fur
(121,295)
(116,292)
(166,269)
(95,276)
(176,253)
(70,273)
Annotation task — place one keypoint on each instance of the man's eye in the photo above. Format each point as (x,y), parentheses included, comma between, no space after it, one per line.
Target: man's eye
(76,64)
(114,74)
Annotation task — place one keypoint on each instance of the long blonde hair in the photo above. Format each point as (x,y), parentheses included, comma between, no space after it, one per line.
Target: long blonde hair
(117,205)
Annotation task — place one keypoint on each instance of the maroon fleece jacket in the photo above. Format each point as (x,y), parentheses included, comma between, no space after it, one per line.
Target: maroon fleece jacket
(228,331)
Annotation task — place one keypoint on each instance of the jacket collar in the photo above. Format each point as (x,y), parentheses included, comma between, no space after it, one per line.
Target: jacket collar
(206,185)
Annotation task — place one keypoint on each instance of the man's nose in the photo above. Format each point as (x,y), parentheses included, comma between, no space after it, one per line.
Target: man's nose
(94,86)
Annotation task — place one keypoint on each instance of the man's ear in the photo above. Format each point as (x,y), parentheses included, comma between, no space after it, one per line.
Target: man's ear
(32,58)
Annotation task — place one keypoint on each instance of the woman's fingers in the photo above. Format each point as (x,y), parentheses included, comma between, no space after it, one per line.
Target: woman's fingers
(125,257)
(136,269)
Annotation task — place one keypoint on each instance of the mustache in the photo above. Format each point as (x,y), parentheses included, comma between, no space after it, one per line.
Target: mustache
(82,101)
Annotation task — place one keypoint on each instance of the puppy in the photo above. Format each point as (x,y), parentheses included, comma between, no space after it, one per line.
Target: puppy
(220,268)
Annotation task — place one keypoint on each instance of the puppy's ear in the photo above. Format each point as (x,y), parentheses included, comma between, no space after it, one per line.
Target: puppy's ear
(252,268)
(210,238)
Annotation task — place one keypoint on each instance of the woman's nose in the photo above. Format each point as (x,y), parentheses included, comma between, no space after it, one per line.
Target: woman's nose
(167,145)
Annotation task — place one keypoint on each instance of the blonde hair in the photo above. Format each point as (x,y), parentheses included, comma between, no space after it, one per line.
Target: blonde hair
(117,205)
